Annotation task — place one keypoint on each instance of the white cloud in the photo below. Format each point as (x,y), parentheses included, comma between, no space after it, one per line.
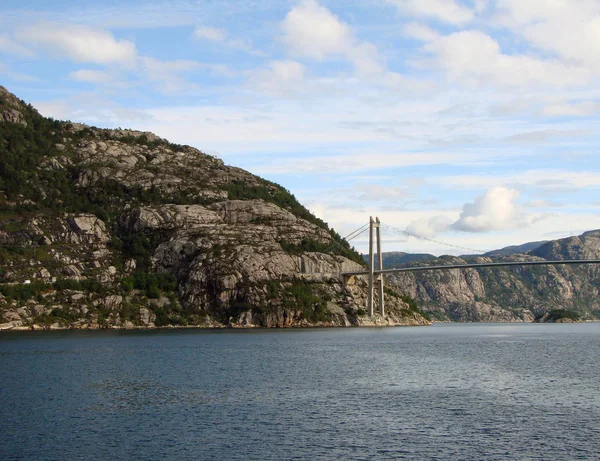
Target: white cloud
(60,110)
(540,136)
(379,193)
(420,32)
(167,74)
(312,31)
(496,209)
(570,29)
(280,77)
(472,57)
(551,179)
(220,36)
(93,108)
(429,227)
(578,109)
(210,33)
(365,161)
(91,76)
(80,44)
(447,11)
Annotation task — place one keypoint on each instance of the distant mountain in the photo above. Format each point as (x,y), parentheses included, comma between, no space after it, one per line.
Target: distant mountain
(510,294)
(395,258)
(514,249)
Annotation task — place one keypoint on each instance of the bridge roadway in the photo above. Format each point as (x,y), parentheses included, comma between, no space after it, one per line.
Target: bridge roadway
(474,265)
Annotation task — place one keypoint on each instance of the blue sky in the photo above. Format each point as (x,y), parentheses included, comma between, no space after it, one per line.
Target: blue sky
(470,122)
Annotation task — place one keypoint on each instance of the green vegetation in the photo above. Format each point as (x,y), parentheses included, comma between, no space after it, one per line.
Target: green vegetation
(171,314)
(23,292)
(559,314)
(58,315)
(333,247)
(292,295)
(412,304)
(151,284)
(300,294)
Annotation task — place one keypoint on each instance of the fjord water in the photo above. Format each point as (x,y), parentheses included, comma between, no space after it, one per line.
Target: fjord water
(480,391)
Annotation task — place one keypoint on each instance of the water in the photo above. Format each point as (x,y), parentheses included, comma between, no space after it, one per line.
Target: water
(468,392)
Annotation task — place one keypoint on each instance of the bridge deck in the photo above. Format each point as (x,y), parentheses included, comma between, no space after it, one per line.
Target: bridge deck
(476,265)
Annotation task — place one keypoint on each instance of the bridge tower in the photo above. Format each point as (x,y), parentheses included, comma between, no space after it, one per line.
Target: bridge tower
(375,228)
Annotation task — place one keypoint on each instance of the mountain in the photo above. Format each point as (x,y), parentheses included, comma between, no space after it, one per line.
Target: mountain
(121,228)
(511,293)
(516,249)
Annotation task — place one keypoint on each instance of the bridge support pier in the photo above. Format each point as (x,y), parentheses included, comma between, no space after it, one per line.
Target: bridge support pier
(380,258)
(375,225)
(371,268)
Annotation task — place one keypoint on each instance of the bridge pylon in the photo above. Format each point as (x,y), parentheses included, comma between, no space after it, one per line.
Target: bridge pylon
(375,228)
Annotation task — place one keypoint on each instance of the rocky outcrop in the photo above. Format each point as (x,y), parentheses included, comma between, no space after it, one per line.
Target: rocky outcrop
(9,109)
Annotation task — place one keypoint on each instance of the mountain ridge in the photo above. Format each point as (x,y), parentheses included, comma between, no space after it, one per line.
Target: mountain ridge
(510,294)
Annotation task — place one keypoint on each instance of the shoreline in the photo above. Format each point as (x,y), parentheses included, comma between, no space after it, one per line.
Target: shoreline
(37,328)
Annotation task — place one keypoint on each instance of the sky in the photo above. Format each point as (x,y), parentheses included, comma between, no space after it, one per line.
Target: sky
(464,125)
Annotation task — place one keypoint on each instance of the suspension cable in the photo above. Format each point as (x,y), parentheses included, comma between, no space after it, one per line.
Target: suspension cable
(356,233)
(410,234)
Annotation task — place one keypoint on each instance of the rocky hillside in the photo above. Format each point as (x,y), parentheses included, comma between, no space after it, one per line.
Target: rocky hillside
(512,293)
(120,228)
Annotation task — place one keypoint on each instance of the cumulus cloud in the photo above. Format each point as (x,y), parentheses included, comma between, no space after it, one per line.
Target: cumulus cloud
(569,29)
(472,57)
(79,43)
(312,31)
(447,11)
(497,209)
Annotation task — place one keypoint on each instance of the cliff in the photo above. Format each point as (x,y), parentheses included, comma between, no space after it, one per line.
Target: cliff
(512,293)
(120,228)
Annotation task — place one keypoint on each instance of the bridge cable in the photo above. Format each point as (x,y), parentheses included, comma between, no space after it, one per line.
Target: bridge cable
(410,234)
(357,232)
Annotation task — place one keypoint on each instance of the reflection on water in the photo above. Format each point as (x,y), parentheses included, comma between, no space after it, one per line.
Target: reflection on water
(443,392)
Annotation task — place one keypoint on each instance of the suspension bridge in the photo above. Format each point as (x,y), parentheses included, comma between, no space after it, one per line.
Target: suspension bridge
(376,276)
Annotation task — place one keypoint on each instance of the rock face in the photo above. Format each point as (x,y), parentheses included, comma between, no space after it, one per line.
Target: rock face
(120,228)
(9,111)
(512,293)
